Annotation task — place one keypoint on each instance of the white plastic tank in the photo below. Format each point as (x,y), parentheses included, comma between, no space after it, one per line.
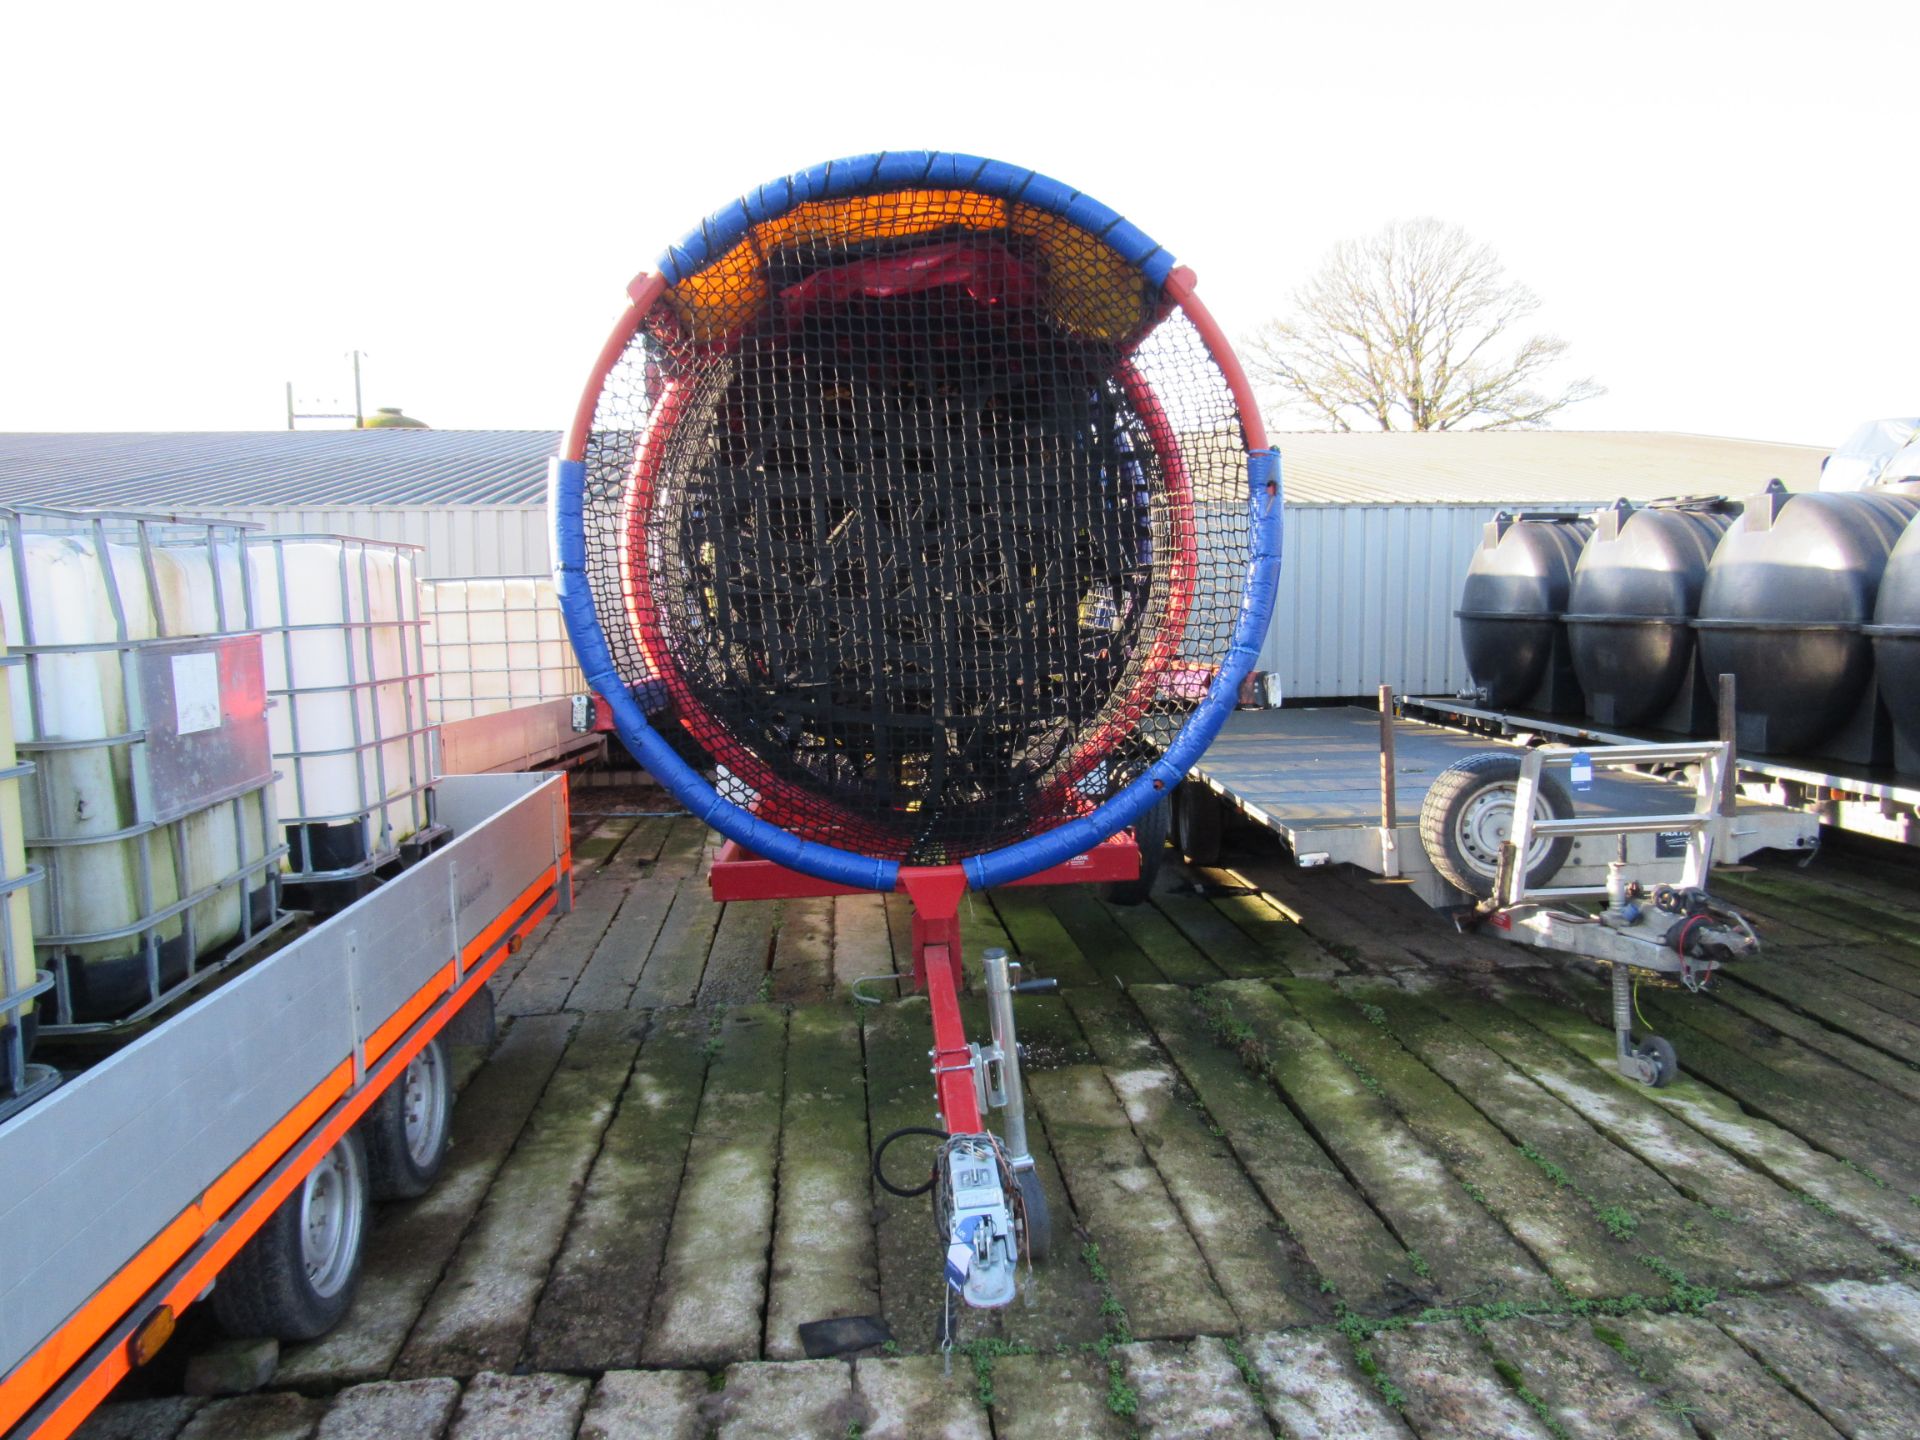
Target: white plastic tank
(351,735)
(495,643)
(81,594)
(18,971)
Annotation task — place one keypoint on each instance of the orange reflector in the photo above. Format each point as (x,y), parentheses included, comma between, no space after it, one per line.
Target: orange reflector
(153,1334)
(513,945)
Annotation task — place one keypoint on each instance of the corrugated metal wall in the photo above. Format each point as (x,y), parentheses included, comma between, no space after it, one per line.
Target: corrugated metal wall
(1367,592)
(1367,595)
(462,540)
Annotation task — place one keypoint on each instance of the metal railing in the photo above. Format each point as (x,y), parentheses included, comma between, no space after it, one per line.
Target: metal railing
(1709,760)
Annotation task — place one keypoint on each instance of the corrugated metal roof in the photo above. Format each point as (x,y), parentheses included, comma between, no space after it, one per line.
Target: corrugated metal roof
(307,468)
(185,470)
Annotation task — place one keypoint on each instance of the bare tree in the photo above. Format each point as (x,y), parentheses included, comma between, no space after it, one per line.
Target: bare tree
(1411,329)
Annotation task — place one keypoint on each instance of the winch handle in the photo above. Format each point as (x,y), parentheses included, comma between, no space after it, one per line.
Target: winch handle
(1036,987)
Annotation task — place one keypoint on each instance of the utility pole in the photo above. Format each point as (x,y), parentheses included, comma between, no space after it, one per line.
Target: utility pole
(359,415)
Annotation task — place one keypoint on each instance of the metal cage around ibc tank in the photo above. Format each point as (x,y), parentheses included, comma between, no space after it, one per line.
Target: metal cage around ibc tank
(141,708)
(494,643)
(352,736)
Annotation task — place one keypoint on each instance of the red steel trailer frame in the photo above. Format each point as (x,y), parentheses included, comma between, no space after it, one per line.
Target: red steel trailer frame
(935,892)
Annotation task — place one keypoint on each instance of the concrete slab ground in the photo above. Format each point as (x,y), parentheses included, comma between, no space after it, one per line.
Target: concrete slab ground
(1318,1167)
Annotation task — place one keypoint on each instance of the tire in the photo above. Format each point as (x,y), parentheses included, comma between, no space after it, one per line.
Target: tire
(1033,1197)
(295,1278)
(1150,834)
(1197,823)
(406,1131)
(1666,1064)
(1463,822)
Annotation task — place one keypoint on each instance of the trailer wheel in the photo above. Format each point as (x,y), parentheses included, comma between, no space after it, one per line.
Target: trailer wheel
(1150,834)
(1468,814)
(295,1278)
(1659,1054)
(1197,823)
(406,1130)
(1033,1198)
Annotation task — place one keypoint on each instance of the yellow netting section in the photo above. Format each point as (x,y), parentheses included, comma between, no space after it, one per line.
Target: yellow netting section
(1092,291)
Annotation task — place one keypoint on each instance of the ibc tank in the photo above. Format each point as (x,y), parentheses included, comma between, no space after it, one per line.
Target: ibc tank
(1511,607)
(18,971)
(1895,634)
(1788,594)
(340,622)
(115,919)
(495,644)
(1629,617)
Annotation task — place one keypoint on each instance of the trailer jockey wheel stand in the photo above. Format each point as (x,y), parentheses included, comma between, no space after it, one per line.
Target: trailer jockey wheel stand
(1672,934)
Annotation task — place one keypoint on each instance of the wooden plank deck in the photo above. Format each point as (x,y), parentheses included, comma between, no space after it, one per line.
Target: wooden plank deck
(1319,1167)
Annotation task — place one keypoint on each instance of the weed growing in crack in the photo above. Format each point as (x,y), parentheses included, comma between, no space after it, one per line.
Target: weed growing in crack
(1682,1294)
(1235,1034)
(1546,1167)
(1814,1202)
(1122,1399)
(1619,1220)
(1510,1373)
(1244,1366)
(1878,1183)
(981,1353)
(1360,1072)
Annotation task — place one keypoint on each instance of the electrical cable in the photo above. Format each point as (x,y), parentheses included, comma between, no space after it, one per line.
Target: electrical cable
(881,1149)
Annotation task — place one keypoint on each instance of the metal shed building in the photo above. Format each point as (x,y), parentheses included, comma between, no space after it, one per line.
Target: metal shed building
(1380,526)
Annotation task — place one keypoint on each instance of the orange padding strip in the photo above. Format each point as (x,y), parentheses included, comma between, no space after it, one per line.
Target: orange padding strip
(37,1375)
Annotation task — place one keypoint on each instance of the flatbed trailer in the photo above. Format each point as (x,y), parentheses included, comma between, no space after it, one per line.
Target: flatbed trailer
(1313,776)
(134,1183)
(1846,797)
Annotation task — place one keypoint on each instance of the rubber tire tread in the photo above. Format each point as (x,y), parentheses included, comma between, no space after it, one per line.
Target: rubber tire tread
(1199,819)
(1666,1060)
(1150,833)
(264,1292)
(1454,788)
(391,1171)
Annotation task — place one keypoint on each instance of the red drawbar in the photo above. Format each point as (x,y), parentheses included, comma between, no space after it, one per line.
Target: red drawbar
(936,892)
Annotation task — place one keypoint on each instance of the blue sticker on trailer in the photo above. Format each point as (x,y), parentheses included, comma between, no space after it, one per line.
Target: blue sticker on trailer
(1580,771)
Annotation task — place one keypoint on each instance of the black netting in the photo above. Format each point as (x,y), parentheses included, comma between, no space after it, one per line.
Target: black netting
(926,515)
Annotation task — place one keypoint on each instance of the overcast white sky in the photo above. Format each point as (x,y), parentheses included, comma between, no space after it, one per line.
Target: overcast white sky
(1715,201)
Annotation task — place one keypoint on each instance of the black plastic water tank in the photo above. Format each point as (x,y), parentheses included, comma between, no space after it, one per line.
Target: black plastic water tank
(1510,609)
(1629,617)
(1790,590)
(1895,634)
